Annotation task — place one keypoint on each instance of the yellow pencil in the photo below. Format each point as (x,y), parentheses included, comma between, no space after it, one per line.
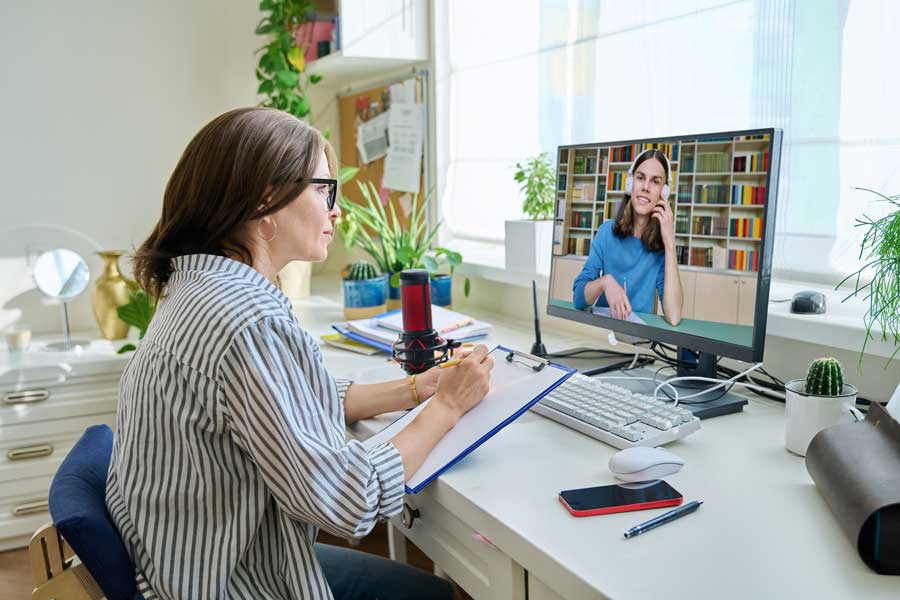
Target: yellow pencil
(450,363)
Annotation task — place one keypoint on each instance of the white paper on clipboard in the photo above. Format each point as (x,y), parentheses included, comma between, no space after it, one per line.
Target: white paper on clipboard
(515,386)
(406,131)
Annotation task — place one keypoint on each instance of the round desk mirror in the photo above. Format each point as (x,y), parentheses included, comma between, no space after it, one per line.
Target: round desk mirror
(62,275)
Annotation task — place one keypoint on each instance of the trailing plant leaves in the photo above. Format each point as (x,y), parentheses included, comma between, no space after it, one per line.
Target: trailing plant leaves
(467,287)
(314,79)
(138,311)
(430,263)
(126,348)
(296,58)
(287,78)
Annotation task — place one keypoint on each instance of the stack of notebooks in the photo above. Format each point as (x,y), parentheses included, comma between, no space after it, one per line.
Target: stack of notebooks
(380,332)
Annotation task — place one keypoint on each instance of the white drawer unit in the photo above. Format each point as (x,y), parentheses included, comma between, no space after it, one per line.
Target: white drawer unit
(47,400)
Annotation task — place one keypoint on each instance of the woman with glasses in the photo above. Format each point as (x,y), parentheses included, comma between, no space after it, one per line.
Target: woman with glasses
(230,450)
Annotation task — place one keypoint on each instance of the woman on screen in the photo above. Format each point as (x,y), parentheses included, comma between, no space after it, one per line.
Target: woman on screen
(633,256)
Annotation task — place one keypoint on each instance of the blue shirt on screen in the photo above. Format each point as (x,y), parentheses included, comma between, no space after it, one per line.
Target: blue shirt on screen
(627,260)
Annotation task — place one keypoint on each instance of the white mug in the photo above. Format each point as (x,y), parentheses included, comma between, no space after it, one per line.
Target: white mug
(808,414)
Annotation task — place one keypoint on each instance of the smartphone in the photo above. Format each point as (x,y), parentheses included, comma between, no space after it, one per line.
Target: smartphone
(607,499)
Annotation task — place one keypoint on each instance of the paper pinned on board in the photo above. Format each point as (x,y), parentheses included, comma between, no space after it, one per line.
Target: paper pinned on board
(403,165)
(404,92)
(372,138)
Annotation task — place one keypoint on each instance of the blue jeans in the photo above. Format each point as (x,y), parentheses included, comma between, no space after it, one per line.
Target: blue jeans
(362,576)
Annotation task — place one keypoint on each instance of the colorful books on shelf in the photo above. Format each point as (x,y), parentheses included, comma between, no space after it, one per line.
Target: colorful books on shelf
(681,252)
(669,150)
(743,260)
(616,181)
(580,246)
(712,162)
(751,162)
(747,138)
(748,194)
(746,228)
(682,221)
(684,193)
(587,165)
(612,207)
(711,193)
(713,257)
(687,163)
(623,153)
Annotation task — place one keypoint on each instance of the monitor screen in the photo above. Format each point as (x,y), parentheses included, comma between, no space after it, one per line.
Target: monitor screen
(694,273)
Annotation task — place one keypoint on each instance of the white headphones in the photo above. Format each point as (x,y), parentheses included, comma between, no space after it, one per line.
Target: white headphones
(629,180)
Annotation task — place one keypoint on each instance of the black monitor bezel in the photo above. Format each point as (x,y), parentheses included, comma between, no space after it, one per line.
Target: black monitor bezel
(752,353)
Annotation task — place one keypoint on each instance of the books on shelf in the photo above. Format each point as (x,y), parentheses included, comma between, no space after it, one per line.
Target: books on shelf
(561,209)
(682,221)
(669,150)
(748,194)
(588,165)
(747,138)
(561,182)
(339,340)
(681,253)
(579,246)
(616,181)
(687,163)
(713,257)
(612,208)
(583,192)
(746,228)
(709,225)
(684,192)
(581,218)
(751,162)
(598,219)
(711,193)
(623,153)
(712,162)
(743,260)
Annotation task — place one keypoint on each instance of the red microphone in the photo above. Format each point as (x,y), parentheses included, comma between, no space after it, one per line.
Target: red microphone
(419,346)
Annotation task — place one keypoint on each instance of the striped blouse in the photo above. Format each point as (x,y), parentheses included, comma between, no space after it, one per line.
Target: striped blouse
(230,449)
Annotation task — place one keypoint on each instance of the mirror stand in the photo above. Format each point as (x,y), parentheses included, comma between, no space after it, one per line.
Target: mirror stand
(67,343)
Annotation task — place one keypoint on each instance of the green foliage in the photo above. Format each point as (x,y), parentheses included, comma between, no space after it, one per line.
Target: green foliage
(281,71)
(392,247)
(538,184)
(361,269)
(880,249)
(137,313)
(825,377)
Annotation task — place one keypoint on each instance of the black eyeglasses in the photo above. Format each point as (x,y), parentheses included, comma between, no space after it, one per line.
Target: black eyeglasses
(331,190)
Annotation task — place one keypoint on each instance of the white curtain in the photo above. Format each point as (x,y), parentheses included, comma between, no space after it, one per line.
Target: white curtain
(517,77)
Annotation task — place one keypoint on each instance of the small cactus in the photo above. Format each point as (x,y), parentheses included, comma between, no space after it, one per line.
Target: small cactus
(361,269)
(825,378)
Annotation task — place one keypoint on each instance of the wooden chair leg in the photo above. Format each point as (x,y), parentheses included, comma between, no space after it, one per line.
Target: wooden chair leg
(56,571)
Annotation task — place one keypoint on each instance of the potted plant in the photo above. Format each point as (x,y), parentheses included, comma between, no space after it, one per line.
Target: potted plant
(138,312)
(365,291)
(880,251)
(378,231)
(819,401)
(441,282)
(529,241)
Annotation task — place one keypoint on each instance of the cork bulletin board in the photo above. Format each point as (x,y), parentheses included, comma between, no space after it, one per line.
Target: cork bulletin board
(358,108)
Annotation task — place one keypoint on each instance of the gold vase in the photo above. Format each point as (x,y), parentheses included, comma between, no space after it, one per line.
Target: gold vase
(110,292)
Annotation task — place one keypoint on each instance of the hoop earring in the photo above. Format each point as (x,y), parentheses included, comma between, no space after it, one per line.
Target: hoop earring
(259,231)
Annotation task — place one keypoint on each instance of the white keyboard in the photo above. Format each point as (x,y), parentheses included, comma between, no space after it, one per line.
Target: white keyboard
(615,415)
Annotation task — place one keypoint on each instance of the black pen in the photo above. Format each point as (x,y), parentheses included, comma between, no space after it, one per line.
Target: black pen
(685,509)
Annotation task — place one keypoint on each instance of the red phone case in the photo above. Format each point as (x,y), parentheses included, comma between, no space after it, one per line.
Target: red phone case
(608,510)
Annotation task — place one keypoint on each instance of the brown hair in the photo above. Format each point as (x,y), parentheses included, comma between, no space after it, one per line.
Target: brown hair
(624,223)
(240,161)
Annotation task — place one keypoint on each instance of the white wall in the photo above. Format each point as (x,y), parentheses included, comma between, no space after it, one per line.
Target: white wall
(100,97)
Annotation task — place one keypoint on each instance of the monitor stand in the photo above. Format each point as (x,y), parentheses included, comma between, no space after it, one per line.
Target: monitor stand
(709,404)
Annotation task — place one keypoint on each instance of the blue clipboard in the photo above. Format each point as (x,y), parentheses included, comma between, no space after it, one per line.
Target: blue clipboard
(517,375)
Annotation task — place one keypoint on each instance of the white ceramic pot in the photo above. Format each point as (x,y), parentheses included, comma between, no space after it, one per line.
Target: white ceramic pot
(808,414)
(528,246)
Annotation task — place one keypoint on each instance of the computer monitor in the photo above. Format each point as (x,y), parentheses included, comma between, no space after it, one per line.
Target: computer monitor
(721,189)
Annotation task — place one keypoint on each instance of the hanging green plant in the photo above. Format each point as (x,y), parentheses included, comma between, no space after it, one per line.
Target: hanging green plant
(281,72)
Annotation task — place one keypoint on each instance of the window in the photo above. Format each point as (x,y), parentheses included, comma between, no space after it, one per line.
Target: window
(517,77)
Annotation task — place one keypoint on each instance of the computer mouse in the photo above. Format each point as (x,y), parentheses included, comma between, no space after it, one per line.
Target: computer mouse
(642,464)
(808,302)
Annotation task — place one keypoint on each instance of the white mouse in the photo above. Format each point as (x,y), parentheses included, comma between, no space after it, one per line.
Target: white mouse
(642,464)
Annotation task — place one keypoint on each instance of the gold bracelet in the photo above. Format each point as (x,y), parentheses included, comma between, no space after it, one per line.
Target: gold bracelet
(412,386)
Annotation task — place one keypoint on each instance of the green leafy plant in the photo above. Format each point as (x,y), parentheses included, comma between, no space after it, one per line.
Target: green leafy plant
(825,377)
(361,269)
(392,247)
(537,183)
(281,72)
(880,249)
(137,313)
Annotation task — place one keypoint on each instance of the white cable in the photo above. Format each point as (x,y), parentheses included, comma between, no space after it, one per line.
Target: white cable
(747,385)
(633,361)
(707,390)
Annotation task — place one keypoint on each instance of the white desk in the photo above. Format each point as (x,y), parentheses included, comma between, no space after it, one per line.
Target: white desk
(763,532)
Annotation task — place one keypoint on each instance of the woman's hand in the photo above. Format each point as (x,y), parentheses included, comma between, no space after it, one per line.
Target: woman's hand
(461,387)
(616,297)
(662,212)
(427,383)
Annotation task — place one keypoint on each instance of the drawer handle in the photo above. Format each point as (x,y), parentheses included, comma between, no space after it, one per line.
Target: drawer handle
(409,515)
(26,397)
(30,452)
(30,508)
